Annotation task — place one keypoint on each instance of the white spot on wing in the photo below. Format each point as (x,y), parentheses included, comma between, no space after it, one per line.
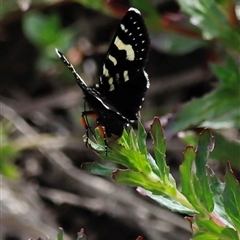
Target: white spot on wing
(134,10)
(125,75)
(123,28)
(127,47)
(110,81)
(105,71)
(148,82)
(113,60)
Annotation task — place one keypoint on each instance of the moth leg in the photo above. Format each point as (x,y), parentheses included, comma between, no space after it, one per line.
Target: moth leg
(103,134)
(84,121)
(101,128)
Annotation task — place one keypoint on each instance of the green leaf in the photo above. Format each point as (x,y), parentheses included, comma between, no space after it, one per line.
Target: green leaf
(123,152)
(229,74)
(232,154)
(209,17)
(221,144)
(141,138)
(187,177)
(98,169)
(159,148)
(137,179)
(169,203)
(217,187)
(208,229)
(45,32)
(231,198)
(173,43)
(209,111)
(195,184)
(8,154)
(204,194)
(229,233)
(41,29)
(60,234)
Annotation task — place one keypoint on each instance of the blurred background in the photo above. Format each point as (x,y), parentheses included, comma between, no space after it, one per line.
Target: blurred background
(42,150)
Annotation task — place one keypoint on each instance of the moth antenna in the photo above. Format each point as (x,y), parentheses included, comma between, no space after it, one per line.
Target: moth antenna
(91,130)
(79,80)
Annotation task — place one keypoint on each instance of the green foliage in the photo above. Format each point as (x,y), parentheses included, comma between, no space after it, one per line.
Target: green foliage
(60,234)
(8,153)
(47,26)
(224,150)
(231,199)
(210,110)
(218,109)
(46,33)
(228,75)
(213,205)
(214,18)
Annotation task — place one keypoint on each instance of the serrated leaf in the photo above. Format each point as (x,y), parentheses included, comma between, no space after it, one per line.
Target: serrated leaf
(186,174)
(221,144)
(204,194)
(141,138)
(195,186)
(129,158)
(159,148)
(121,152)
(98,169)
(231,198)
(133,142)
(217,187)
(125,138)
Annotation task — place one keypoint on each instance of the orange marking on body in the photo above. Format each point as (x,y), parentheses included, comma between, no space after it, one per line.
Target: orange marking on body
(83,122)
(92,115)
(83,119)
